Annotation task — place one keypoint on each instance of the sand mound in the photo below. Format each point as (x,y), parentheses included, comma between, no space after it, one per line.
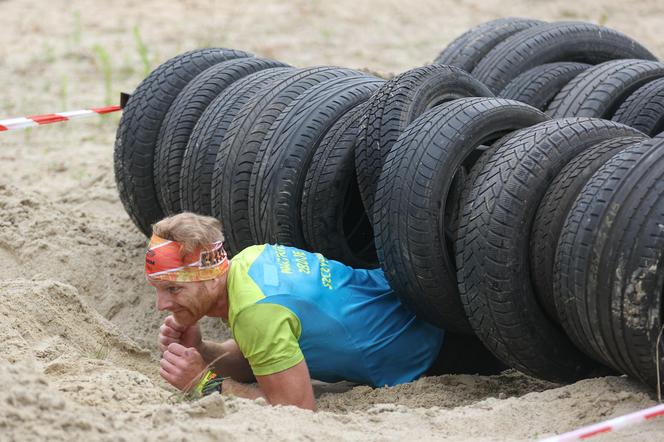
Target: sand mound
(47,321)
(125,404)
(108,403)
(71,372)
(439,391)
(101,256)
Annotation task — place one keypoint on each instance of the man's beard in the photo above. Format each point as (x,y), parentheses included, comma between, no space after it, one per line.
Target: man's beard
(196,309)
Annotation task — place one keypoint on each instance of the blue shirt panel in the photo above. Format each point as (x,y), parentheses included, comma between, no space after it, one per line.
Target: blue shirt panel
(353,326)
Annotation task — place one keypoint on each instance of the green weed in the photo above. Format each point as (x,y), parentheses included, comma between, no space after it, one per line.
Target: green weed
(7,109)
(56,166)
(48,53)
(79,174)
(101,352)
(27,133)
(76,33)
(104,64)
(63,93)
(142,51)
(180,397)
(569,13)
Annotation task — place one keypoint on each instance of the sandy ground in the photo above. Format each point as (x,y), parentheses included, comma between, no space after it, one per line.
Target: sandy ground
(77,322)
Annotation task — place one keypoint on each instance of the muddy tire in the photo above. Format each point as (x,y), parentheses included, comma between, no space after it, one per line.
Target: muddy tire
(610,262)
(133,156)
(553,210)
(413,190)
(493,243)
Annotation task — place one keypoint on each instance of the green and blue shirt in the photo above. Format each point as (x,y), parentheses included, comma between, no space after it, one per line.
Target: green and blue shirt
(287,305)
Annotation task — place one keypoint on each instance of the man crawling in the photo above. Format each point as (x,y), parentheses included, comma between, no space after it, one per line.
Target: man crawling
(294,316)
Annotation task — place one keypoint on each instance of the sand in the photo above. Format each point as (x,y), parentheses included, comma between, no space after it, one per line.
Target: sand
(77,321)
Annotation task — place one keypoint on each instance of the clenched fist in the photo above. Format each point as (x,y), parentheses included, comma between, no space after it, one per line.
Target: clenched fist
(171,332)
(181,366)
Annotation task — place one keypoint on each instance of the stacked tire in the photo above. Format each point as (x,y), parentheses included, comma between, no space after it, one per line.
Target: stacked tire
(212,130)
(528,275)
(510,191)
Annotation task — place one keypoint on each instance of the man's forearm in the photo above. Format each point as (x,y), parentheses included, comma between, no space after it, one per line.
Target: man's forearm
(228,360)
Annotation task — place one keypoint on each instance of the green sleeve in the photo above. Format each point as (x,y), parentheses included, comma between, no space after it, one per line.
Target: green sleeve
(267,335)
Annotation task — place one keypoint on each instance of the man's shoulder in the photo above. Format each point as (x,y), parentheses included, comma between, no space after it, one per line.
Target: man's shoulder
(249,254)
(242,289)
(242,263)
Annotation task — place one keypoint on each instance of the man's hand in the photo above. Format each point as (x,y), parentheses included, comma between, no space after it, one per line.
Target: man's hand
(172,332)
(181,366)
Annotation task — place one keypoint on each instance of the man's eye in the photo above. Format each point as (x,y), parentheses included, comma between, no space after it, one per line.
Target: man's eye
(173,290)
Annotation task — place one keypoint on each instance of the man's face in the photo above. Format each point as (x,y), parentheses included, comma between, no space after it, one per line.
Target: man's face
(188,301)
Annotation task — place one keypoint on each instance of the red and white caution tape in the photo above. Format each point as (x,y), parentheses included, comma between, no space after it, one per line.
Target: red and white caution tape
(38,120)
(610,425)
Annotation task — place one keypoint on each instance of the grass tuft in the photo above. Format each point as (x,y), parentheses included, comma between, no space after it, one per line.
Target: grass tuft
(78,29)
(104,64)
(64,102)
(100,352)
(142,51)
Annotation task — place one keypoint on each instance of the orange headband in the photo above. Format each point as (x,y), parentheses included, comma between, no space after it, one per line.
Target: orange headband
(163,261)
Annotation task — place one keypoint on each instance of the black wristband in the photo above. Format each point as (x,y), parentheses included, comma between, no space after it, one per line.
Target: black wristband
(214,384)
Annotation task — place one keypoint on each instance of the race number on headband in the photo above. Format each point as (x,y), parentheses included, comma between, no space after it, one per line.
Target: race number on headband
(163,261)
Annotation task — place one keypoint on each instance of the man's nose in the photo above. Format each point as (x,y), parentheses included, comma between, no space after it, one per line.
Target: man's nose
(163,300)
